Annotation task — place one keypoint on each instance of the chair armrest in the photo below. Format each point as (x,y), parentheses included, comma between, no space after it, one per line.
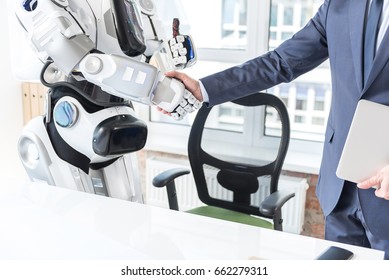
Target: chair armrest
(272,203)
(168,176)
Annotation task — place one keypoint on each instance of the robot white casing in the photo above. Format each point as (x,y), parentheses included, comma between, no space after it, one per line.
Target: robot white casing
(93,41)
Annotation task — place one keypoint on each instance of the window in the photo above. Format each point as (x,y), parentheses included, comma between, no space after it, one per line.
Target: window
(308,97)
(234,24)
(229,32)
(218,24)
(288,16)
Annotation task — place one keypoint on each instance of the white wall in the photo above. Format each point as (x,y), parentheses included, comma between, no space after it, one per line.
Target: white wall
(11,114)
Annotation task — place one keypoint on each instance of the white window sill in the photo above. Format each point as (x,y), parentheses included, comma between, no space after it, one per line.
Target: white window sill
(302,163)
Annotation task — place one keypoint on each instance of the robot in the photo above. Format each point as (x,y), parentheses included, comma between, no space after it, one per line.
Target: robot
(99,56)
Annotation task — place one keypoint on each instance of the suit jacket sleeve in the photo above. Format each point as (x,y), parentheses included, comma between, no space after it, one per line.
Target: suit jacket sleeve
(304,51)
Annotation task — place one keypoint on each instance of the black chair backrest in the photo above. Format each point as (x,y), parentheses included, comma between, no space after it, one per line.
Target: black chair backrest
(240,179)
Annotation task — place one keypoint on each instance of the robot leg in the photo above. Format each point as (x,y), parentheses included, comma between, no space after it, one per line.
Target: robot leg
(120,179)
(41,162)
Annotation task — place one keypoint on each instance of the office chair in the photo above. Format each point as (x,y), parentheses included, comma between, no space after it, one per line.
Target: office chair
(240,180)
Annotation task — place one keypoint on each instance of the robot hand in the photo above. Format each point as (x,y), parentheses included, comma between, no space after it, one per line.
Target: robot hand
(182,55)
(171,95)
(182,48)
(178,53)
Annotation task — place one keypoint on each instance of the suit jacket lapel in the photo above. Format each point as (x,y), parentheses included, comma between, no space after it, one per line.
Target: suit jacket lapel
(380,60)
(356,13)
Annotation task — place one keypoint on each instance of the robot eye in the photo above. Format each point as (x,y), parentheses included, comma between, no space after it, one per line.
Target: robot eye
(65,114)
(30,5)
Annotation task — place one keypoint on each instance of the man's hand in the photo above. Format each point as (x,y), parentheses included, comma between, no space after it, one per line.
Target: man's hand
(380,181)
(192,85)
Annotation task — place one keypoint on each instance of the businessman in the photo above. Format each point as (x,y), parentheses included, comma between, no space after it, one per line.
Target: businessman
(352,35)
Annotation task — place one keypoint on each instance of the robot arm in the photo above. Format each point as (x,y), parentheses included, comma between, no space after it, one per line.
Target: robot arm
(148,85)
(104,41)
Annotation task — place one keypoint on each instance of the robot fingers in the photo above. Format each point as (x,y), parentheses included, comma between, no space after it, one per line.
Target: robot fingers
(171,96)
(183,51)
(188,104)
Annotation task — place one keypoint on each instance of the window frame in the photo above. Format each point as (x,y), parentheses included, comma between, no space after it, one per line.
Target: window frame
(303,155)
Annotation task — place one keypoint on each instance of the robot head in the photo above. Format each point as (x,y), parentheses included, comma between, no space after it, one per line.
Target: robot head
(83,133)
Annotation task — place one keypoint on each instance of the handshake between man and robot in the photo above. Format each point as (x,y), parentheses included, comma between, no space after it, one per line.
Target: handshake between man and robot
(99,55)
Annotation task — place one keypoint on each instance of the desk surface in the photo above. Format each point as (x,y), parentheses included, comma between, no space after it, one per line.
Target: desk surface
(43,222)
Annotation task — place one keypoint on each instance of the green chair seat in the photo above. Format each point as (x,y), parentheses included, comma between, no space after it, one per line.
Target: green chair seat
(229,215)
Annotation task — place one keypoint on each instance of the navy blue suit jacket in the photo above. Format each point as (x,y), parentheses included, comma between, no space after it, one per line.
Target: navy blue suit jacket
(335,32)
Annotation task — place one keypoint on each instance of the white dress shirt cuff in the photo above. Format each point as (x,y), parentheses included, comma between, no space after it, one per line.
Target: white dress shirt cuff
(204,92)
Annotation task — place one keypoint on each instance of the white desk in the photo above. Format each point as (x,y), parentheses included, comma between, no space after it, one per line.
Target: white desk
(44,222)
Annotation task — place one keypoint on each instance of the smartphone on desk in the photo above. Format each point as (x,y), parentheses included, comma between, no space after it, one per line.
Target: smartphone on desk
(335,253)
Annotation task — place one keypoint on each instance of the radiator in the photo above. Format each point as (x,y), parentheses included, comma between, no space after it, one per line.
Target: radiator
(292,212)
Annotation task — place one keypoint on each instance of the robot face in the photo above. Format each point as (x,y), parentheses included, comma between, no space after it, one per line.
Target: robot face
(118,135)
(128,25)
